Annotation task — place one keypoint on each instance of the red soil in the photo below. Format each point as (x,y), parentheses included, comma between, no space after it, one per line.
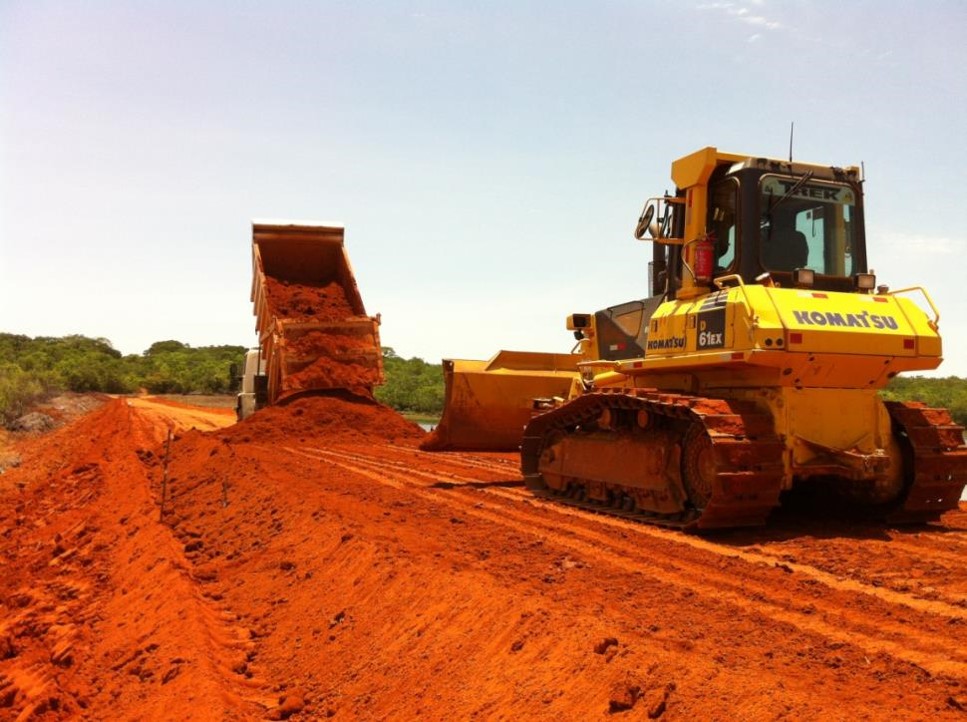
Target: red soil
(311,563)
(330,373)
(214,410)
(322,302)
(341,360)
(336,418)
(333,343)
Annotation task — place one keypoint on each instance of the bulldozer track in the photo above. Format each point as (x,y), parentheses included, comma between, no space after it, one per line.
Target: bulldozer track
(741,579)
(936,461)
(747,454)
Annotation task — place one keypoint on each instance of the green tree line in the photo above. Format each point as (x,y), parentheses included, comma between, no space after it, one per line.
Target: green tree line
(948,393)
(32,368)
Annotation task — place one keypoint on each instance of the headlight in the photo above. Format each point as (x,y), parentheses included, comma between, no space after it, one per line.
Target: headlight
(803,277)
(864,281)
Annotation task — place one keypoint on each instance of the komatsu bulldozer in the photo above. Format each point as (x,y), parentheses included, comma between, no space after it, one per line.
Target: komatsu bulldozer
(755,367)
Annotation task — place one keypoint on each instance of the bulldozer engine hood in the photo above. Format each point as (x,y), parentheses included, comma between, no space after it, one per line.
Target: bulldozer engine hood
(755,326)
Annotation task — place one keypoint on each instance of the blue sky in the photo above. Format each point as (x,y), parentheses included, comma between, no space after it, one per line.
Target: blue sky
(488,159)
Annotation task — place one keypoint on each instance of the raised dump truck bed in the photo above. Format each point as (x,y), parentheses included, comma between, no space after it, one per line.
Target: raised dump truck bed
(314,334)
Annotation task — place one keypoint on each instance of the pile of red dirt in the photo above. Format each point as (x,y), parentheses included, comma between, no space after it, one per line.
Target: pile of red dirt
(336,417)
(99,616)
(310,563)
(323,302)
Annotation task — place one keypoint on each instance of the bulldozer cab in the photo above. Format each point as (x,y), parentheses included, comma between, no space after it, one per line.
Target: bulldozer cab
(761,216)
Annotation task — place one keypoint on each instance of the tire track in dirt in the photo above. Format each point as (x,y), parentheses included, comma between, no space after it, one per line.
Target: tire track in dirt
(891,567)
(818,563)
(934,653)
(389,456)
(501,466)
(925,549)
(953,608)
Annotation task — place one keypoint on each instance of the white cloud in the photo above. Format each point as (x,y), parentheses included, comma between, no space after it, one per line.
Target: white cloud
(742,14)
(761,21)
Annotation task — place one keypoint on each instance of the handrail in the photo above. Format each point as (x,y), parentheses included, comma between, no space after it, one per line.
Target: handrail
(746,301)
(936,314)
(720,282)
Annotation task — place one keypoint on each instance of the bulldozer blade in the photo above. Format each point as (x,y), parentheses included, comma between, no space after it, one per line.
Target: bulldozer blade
(488,403)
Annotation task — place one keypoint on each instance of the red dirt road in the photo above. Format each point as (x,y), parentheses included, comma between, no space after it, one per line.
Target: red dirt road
(312,563)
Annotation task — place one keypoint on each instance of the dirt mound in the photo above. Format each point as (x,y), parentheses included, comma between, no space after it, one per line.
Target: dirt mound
(322,302)
(99,618)
(336,417)
(321,571)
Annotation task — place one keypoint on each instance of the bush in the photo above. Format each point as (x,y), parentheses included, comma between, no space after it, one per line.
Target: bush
(18,390)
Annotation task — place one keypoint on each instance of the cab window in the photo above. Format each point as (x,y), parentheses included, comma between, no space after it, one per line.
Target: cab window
(723,214)
(807,225)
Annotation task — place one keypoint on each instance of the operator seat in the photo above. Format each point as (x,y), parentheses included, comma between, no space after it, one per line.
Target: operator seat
(786,252)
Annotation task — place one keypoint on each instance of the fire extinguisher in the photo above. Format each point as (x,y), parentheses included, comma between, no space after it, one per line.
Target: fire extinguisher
(704,259)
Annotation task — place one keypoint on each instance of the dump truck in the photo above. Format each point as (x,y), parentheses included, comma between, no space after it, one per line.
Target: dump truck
(754,369)
(314,336)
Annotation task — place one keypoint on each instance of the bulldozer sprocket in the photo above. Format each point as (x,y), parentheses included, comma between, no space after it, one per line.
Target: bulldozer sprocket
(745,456)
(936,461)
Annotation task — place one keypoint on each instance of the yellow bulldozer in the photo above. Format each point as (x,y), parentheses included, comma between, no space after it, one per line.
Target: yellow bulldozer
(755,366)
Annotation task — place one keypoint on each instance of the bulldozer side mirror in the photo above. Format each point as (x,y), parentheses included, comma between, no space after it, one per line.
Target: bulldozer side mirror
(646,222)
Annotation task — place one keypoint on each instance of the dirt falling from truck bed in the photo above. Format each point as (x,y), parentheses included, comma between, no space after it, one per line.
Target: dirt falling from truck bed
(320,301)
(340,343)
(332,373)
(312,563)
(341,360)
(330,356)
